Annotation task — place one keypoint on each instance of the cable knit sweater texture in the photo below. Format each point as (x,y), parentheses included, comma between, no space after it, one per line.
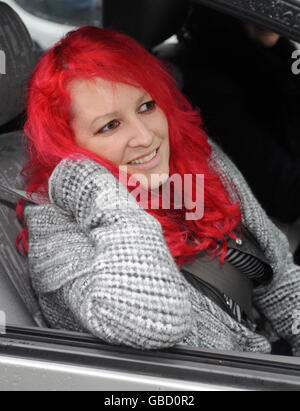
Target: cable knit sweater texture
(105,269)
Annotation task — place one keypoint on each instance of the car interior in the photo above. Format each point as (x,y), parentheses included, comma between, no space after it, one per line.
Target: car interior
(149,24)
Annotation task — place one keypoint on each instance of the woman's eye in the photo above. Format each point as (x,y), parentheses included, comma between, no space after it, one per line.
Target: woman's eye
(110,126)
(149,106)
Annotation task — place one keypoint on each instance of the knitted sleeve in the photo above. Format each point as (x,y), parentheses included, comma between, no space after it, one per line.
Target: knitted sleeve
(280,302)
(107,259)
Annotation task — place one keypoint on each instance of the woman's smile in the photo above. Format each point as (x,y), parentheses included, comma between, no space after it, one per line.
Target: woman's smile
(148,162)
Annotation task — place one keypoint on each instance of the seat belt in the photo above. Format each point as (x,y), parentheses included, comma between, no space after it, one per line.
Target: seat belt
(17,193)
(38,200)
(225,278)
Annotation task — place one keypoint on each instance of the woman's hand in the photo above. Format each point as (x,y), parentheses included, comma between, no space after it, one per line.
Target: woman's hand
(93,195)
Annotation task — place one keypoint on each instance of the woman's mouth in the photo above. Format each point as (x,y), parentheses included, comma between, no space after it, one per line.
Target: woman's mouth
(148,162)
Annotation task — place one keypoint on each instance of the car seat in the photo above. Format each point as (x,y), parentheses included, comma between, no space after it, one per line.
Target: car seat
(149,21)
(18,301)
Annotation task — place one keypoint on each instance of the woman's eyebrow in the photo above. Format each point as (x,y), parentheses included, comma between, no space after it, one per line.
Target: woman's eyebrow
(116,113)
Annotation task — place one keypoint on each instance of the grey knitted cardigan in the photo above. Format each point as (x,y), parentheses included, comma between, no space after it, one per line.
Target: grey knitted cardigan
(106,269)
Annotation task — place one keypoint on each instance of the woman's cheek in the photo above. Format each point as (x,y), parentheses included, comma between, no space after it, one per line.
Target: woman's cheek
(114,152)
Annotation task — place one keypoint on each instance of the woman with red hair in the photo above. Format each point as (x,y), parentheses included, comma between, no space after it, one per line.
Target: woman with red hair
(126,270)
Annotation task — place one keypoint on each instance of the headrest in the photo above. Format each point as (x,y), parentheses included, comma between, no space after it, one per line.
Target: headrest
(149,21)
(17,59)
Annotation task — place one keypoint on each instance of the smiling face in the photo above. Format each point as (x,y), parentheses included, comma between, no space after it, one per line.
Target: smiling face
(122,124)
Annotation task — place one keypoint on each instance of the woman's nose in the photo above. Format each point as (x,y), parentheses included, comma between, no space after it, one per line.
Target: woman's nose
(140,134)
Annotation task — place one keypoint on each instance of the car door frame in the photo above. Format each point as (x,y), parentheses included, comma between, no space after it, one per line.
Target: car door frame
(83,361)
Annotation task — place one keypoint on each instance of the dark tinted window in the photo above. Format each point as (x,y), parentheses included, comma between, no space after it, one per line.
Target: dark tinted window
(73,12)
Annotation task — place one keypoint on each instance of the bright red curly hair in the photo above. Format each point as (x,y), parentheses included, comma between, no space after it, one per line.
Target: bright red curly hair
(94,52)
